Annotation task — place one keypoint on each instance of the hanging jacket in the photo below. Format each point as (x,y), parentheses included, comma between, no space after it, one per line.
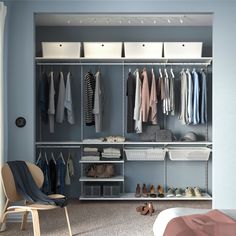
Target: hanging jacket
(203,97)
(68,101)
(153,100)
(172,94)
(145,104)
(44,97)
(69,170)
(61,100)
(137,105)
(196,117)
(130,93)
(183,97)
(190,97)
(97,111)
(51,103)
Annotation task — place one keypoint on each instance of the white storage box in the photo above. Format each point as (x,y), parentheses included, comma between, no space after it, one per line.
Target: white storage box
(189,154)
(102,50)
(143,50)
(61,49)
(183,50)
(145,154)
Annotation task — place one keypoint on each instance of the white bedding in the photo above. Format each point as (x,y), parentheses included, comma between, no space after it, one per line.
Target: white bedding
(165,216)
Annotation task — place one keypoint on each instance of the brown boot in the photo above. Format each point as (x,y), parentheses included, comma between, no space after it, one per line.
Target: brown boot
(138,191)
(152,192)
(160,191)
(144,191)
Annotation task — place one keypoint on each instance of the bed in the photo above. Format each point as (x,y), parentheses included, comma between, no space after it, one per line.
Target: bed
(165,216)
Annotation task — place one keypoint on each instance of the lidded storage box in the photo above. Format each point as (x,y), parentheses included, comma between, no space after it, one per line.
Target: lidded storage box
(183,50)
(143,49)
(102,50)
(61,49)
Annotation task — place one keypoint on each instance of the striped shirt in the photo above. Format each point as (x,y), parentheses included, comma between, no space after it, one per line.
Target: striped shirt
(89,85)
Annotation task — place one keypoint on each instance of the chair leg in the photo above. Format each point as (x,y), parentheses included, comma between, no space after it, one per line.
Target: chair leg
(35,219)
(3,217)
(24,220)
(68,221)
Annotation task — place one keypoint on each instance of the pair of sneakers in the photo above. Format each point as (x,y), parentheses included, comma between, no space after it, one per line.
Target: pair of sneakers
(174,192)
(191,192)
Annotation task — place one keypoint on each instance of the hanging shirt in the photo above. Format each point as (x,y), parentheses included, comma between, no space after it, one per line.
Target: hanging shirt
(68,101)
(89,85)
(203,97)
(97,111)
(137,105)
(183,98)
(153,100)
(61,100)
(195,97)
(43,165)
(53,176)
(61,173)
(69,170)
(51,104)
(172,94)
(130,93)
(190,97)
(166,95)
(44,97)
(145,104)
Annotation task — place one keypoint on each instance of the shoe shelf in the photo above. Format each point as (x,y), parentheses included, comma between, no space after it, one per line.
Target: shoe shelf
(118,178)
(131,196)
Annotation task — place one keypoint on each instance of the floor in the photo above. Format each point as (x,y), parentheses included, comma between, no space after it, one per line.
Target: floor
(100,219)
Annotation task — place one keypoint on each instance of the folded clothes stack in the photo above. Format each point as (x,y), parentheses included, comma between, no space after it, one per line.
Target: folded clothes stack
(93,140)
(90,154)
(111,153)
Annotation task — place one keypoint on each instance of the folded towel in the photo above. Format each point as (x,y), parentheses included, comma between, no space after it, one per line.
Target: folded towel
(90,158)
(90,149)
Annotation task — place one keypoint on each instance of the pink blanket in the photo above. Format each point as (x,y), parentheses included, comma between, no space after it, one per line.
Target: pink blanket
(213,223)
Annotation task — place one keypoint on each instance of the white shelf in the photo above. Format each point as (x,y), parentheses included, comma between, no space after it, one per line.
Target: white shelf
(125,61)
(102,161)
(131,196)
(118,178)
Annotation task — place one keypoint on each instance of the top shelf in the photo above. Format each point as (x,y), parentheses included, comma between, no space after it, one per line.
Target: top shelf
(124,61)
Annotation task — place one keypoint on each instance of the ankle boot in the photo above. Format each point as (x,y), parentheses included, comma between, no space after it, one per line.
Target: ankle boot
(144,191)
(160,191)
(152,192)
(138,191)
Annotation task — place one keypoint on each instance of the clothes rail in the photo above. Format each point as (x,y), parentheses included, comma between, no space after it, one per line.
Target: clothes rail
(56,146)
(122,63)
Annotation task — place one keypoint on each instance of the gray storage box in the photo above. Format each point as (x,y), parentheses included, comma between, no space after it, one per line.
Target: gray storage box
(111,190)
(92,190)
(163,135)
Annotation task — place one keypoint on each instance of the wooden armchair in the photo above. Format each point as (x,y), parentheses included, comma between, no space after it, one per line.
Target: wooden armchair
(12,196)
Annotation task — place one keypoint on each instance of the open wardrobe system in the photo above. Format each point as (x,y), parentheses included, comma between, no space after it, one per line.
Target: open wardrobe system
(124,105)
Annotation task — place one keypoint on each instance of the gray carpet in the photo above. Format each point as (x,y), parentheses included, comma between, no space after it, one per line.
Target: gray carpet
(100,219)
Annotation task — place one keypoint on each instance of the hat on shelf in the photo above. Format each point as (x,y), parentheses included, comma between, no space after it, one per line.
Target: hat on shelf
(189,137)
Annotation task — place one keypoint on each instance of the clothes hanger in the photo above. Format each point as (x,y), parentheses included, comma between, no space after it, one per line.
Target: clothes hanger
(53,158)
(166,74)
(61,156)
(39,157)
(46,158)
(172,73)
(160,73)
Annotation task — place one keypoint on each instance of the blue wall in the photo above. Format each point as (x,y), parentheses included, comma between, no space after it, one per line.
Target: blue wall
(21,99)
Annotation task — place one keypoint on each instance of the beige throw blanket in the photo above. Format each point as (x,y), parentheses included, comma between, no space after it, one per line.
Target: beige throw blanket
(213,223)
